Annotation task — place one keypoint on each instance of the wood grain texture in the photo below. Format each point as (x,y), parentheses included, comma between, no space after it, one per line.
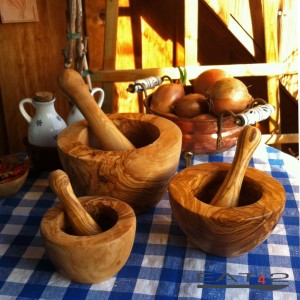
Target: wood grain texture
(139,176)
(110,138)
(81,221)
(229,192)
(90,259)
(223,231)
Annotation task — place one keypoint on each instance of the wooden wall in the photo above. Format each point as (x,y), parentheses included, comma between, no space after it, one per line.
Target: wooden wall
(150,34)
(30,61)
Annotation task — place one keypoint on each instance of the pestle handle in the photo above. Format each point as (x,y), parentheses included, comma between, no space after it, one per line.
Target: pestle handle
(229,192)
(81,221)
(108,135)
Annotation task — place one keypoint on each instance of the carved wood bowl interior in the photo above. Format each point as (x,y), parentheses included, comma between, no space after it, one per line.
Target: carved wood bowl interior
(140,176)
(223,231)
(200,136)
(95,258)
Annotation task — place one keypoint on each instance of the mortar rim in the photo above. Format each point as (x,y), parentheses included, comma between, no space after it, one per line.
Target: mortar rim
(59,237)
(201,206)
(162,124)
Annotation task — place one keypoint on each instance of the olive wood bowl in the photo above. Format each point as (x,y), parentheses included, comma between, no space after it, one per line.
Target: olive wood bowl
(139,176)
(95,258)
(225,231)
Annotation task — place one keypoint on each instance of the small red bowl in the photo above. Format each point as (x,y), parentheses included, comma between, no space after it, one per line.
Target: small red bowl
(14,169)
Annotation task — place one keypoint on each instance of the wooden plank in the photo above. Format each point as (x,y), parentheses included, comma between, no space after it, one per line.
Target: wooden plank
(270,14)
(191,32)
(110,44)
(94,19)
(288,41)
(110,37)
(238,70)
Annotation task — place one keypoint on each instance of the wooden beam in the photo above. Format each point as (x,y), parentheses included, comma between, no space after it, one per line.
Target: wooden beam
(239,70)
(110,37)
(191,32)
(270,14)
(110,44)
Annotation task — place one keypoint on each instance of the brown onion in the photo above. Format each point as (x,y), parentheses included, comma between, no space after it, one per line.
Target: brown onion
(164,97)
(190,105)
(228,94)
(206,79)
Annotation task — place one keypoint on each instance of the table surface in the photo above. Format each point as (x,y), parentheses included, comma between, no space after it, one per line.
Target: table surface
(162,263)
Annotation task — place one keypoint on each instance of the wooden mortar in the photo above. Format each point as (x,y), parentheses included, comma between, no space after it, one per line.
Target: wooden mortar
(139,176)
(227,209)
(95,258)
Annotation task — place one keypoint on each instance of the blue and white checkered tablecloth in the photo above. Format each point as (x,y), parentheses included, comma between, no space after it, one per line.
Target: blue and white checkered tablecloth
(162,264)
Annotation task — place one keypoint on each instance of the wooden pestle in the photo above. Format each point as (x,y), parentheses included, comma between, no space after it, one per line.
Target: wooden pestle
(81,221)
(108,135)
(228,193)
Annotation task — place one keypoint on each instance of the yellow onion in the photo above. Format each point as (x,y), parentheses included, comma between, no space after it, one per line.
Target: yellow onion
(228,94)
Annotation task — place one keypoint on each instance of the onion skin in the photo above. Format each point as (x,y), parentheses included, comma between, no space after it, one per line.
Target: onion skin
(164,97)
(190,105)
(206,79)
(228,94)
(205,117)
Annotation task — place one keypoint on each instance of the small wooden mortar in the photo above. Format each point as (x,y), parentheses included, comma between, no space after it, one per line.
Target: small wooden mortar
(88,239)
(139,176)
(219,229)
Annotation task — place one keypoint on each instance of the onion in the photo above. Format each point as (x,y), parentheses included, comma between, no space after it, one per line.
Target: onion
(190,105)
(228,94)
(164,97)
(206,79)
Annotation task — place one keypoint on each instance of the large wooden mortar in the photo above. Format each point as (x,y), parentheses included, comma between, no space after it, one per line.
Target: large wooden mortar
(138,176)
(94,258)
(225,231)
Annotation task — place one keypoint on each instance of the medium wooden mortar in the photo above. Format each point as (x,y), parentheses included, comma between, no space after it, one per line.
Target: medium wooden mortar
(225,231)
(138,176)
(95,258)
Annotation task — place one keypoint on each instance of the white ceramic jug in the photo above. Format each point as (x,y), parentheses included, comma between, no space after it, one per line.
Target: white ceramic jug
(75,114)
(46,124)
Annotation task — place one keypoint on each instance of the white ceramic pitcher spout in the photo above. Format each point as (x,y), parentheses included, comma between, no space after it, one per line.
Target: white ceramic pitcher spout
(75,114)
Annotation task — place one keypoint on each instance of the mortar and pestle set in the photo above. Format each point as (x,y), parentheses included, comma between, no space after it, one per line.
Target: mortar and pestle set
(130,157)
(134,157)
(227,209)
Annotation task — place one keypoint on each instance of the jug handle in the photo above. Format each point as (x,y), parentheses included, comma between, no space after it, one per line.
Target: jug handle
(101,95)
(23,110)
